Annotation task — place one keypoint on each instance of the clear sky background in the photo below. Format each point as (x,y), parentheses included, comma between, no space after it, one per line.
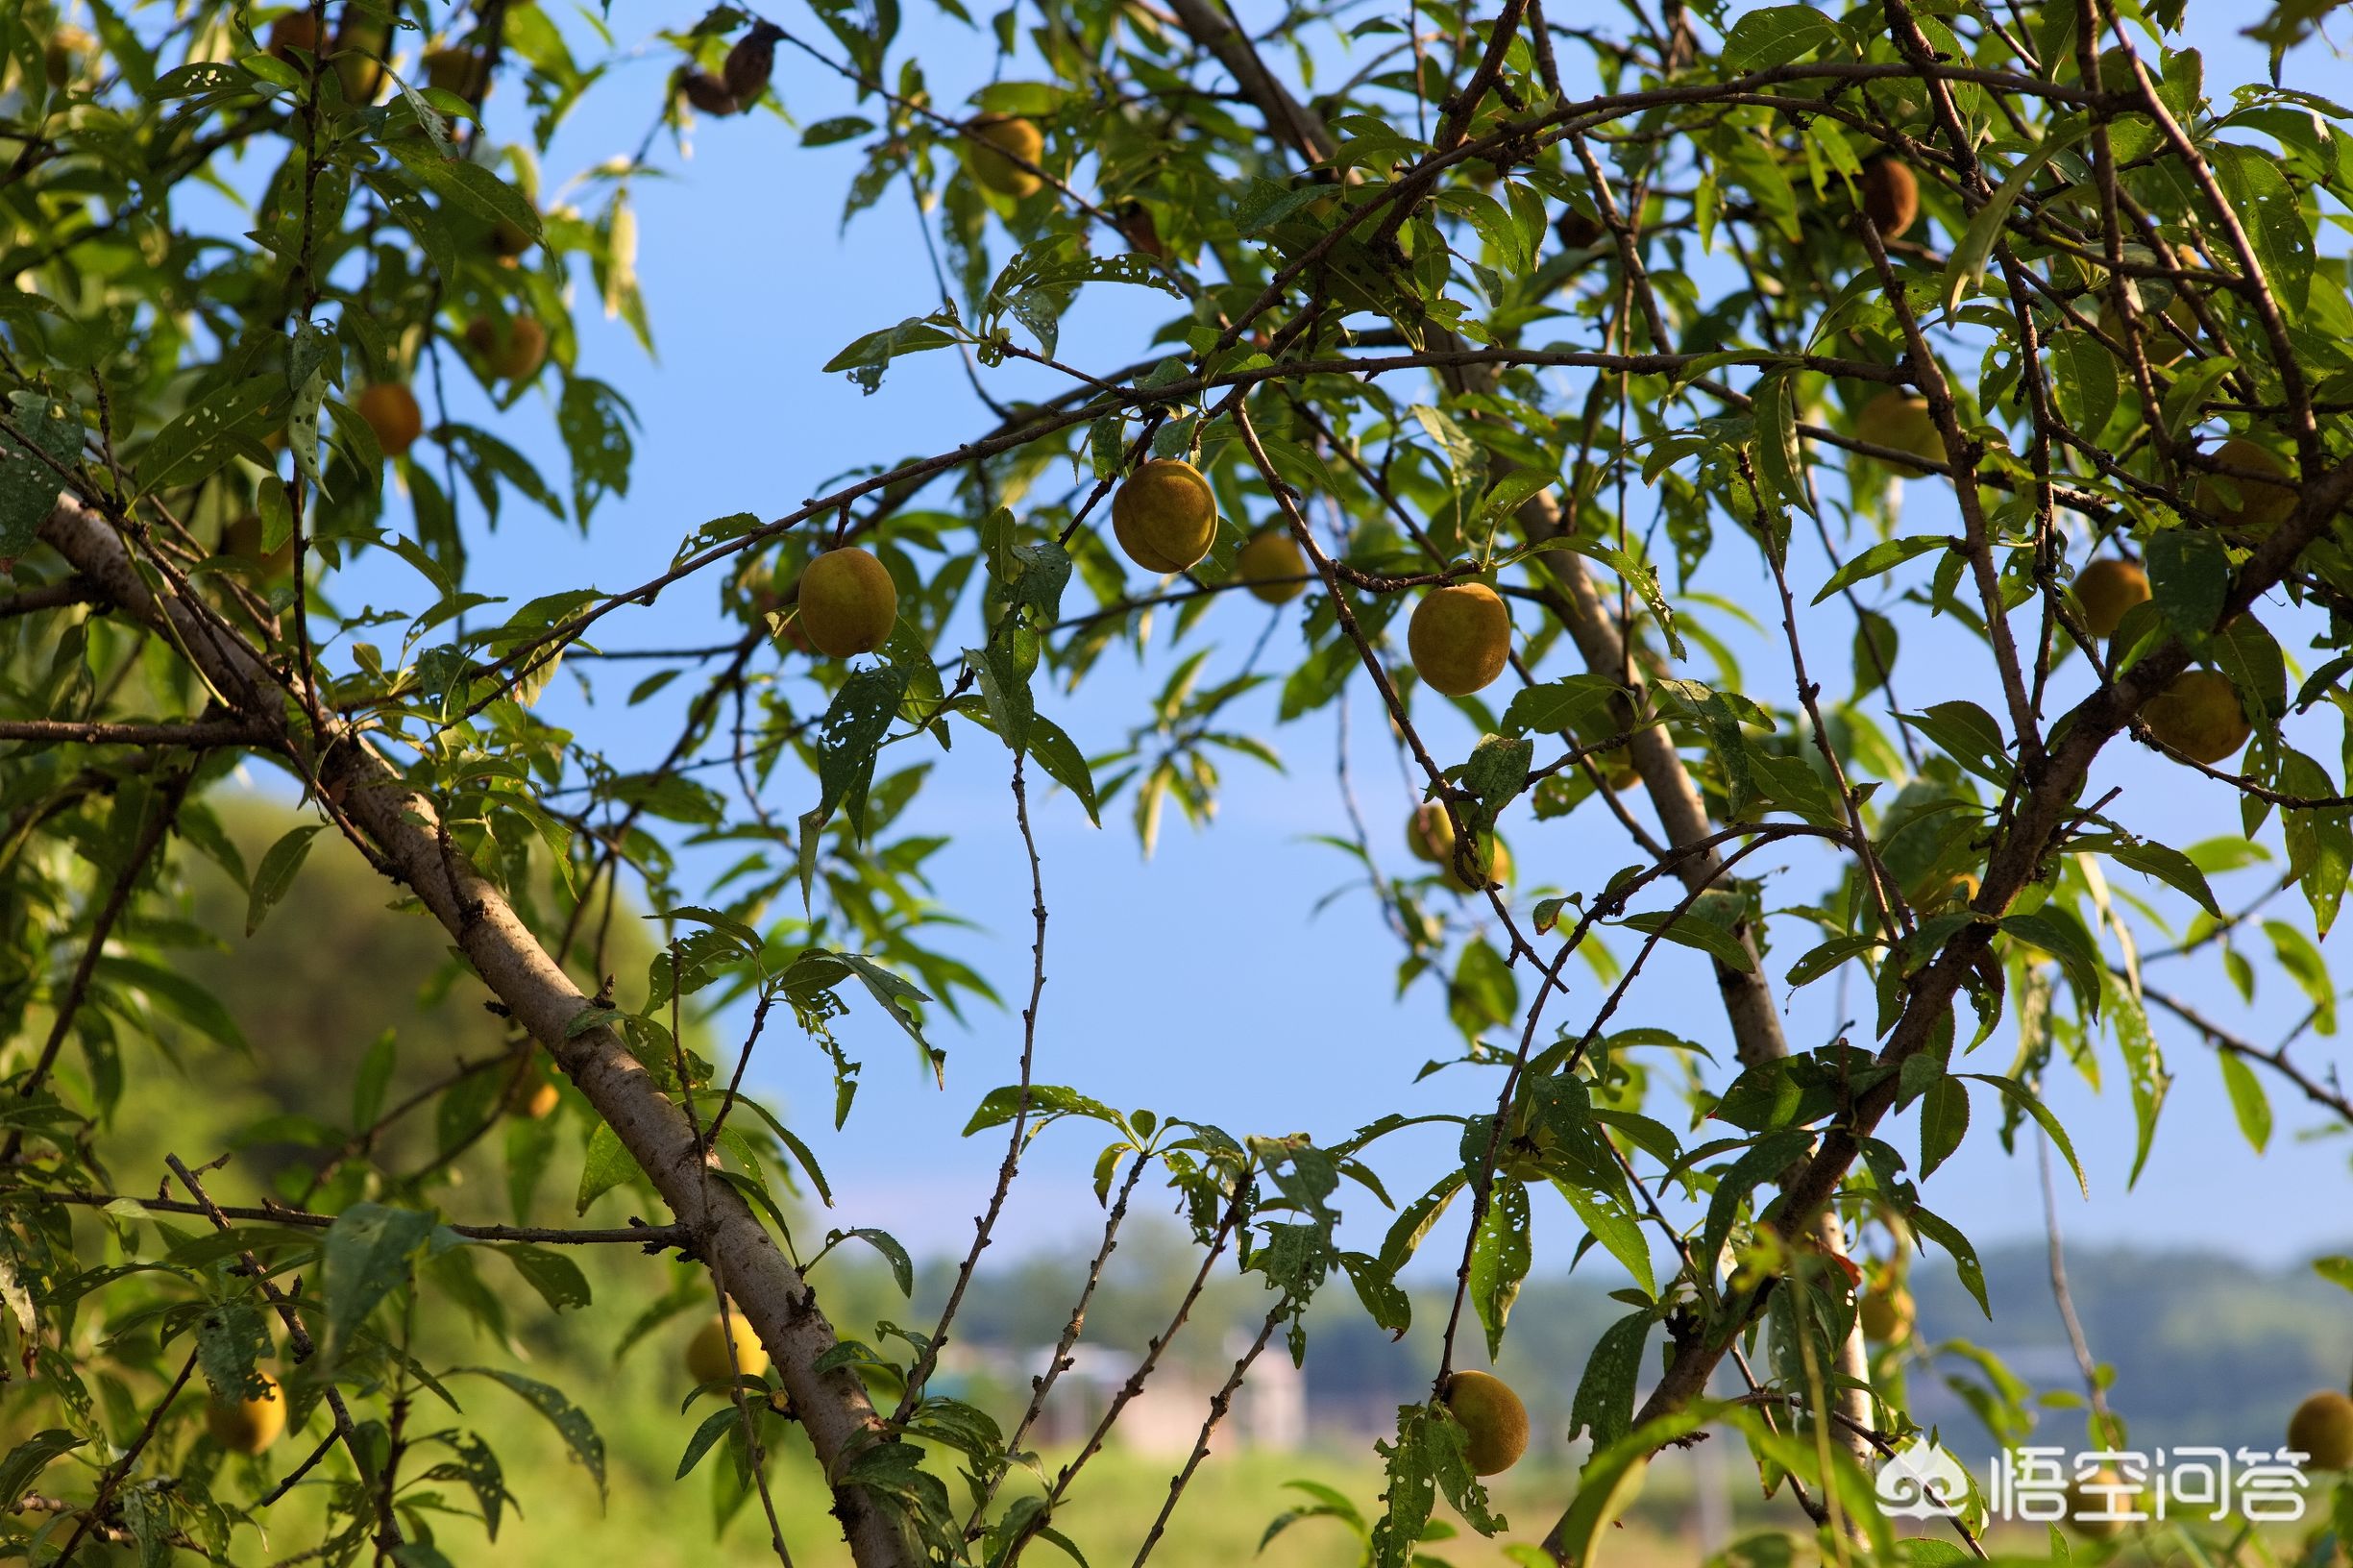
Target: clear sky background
(1203,983)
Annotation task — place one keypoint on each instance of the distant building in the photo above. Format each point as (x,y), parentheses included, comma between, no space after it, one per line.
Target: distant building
(1165,1417)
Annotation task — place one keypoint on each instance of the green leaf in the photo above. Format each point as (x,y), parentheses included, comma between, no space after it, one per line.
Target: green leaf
(2025,1099)
(801,1149)
(1612,1478)
(210,432)
(1499,1258)
(903,1267)
(1604,1404)
(557,1278)
(177,995)
(1064,762)
(1615,1226)
(1428,1457)
(276,872)
(365,1255)
(1693,930)
(29,1459)
(2063,937)
(2168,865)
(1967,264)
(2145,1068)
(375,1075)
(1046,1101)
(569,1421)
(1965,1265)
(865,361)
(2189,573)
(893,992)
(715,1426)
(1884,556)
(607,1166)
(28,486)
(1778,461)
(1943,1121)
(1764,1159)
(1560,706)
(1777,36)
(2248,1100)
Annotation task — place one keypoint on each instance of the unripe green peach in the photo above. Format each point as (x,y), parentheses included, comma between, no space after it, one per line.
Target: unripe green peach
(2109,589)
(993,137)
(706,1354)
(248,1426)
(848,602)
(1493,1420)
(1165,515)
(1460,637)
(1900,421)
(2198,715)
(1273,565)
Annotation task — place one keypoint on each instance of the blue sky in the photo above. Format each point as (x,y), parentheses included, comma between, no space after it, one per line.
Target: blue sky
(1203,983)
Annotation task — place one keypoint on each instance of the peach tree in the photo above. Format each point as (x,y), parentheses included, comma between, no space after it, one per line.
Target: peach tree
(1610,402)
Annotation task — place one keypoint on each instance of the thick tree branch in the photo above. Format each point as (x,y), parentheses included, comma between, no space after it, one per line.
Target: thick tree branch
(403,828)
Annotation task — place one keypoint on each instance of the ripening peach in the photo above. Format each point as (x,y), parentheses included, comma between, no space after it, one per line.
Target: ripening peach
(2267,494)
(1165,515)
(2109,589)
(706,1354)
(1891,195)
(848,604)
(511,350)
(391,411)
(1460,637)
(994,141)
(248,1426)
(1493,1420)
(1899,419)
(2322,1427)
(2198,715)
(1273,565)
